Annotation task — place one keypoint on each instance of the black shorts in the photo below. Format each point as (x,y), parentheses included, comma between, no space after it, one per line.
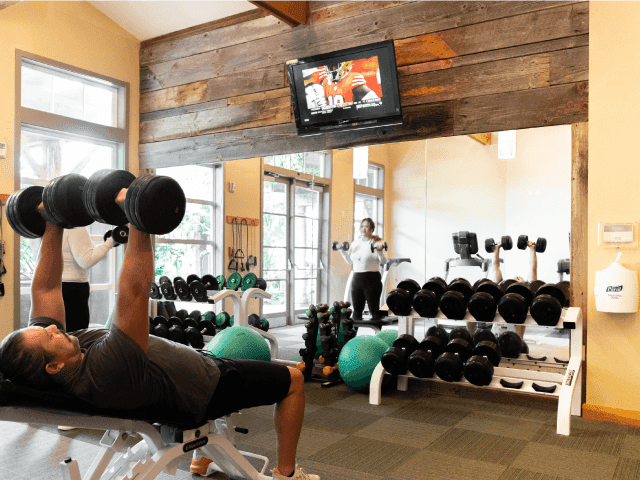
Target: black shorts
(246,384)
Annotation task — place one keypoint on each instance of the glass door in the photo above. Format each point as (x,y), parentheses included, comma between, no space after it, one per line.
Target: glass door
(275,252)
(306,247)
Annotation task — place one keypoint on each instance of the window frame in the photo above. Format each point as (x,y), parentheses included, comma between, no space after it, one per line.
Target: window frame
(217,225)
(294,178)
(372,192)
(68,127)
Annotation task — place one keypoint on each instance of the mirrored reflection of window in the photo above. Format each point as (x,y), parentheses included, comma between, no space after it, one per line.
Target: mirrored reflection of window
(312,163)
(292,246)
(192,248)
(50,145)
(374,178)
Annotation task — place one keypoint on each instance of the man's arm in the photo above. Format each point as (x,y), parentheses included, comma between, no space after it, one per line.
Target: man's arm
(46,287)
(533,262)
(496,263)
(132,308)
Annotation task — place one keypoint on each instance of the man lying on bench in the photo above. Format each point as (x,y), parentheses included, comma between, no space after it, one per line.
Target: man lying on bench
(124,368)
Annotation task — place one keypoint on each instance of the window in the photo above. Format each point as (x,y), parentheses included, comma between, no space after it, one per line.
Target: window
(295,213)
(369,200)
(71,121)
(375,178)
(312,163)
(195,247)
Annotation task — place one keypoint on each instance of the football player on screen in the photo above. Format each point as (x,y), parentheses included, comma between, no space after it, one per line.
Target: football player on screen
(341,85)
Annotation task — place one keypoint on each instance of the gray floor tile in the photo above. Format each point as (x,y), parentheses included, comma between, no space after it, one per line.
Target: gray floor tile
(338,421)
(564,462)
(403,432)
(364,455)
(499,425)
(584,439)
(627,469)
(428,465)
(478,446)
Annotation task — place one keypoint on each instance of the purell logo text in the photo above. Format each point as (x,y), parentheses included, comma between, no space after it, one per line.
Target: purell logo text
(614,289)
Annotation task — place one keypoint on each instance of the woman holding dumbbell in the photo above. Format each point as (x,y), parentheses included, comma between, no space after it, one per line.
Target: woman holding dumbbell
(366,256)
(79,255)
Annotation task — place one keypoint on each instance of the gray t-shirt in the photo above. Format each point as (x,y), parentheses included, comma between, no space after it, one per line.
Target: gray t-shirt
(116,372)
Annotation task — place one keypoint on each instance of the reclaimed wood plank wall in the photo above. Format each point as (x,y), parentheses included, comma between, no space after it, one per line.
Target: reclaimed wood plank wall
(219,91)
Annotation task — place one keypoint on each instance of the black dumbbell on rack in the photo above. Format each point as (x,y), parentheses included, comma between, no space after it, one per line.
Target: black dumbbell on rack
(453,303)
(546,307)
(395,360)
(427,299)
(400,299)
(514,304)
(478,369)
(483,304)
(449,365)
(422,361)
(541,243)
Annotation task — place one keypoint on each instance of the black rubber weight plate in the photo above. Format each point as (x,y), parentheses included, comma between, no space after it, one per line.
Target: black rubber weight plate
(104,195)
(162,203)
(68,200)
(131,198)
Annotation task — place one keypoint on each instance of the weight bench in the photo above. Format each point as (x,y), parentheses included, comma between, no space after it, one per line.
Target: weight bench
(164,437)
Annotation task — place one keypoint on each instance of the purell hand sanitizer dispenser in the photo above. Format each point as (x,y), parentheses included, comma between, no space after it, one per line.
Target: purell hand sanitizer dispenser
(616,289)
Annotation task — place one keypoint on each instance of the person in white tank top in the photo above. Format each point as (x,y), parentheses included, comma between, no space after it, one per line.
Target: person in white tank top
(367,280)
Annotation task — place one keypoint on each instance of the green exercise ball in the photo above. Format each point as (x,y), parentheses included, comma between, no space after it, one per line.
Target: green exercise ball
(240,342)
(359,358)
(388,336)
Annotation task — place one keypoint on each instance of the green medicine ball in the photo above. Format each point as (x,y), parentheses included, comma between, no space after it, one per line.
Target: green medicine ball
(240,342)
(388,336)
(359,358)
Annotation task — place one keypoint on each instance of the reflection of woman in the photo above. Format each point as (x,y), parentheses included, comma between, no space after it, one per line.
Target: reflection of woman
(367,281)
(79,256)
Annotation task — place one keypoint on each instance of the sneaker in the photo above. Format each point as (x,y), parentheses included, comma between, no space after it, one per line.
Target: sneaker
(298,474)
(66,429)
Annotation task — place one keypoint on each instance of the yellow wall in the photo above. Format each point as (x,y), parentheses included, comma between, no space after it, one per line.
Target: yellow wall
(243,202)
(613,342)
(73,33)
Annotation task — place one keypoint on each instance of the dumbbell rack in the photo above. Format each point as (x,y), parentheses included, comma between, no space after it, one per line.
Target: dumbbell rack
(568,379)
(240,301)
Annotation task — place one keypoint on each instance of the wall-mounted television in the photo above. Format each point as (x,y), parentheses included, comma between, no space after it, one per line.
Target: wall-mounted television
(344,90)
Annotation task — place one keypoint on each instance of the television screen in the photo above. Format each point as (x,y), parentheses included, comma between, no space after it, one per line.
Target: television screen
(353,88)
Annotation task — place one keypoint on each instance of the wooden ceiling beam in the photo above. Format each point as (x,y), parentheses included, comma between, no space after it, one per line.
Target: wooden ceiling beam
(481,138)
(291,13)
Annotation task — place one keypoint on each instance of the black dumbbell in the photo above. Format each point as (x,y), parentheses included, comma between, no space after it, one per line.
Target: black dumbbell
(453,303)
(448,366)
(161,330)
(194,337)
(153,204)
(541,243)
(120,235)
(223,320)
(484,335)
(196,315)
(335,246)
(566,289)
(155,292)
(385,247)
(396,358)
(399,301)
(478,369)
(166,287)
(461,332)
(261,324)
(514,304)
(505,242)
(504,284)
(546,307)
(421,362)
(182,314)
(182,289)
(483,304)
(510,344)
(189,322)
(437,285)
(439,332)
